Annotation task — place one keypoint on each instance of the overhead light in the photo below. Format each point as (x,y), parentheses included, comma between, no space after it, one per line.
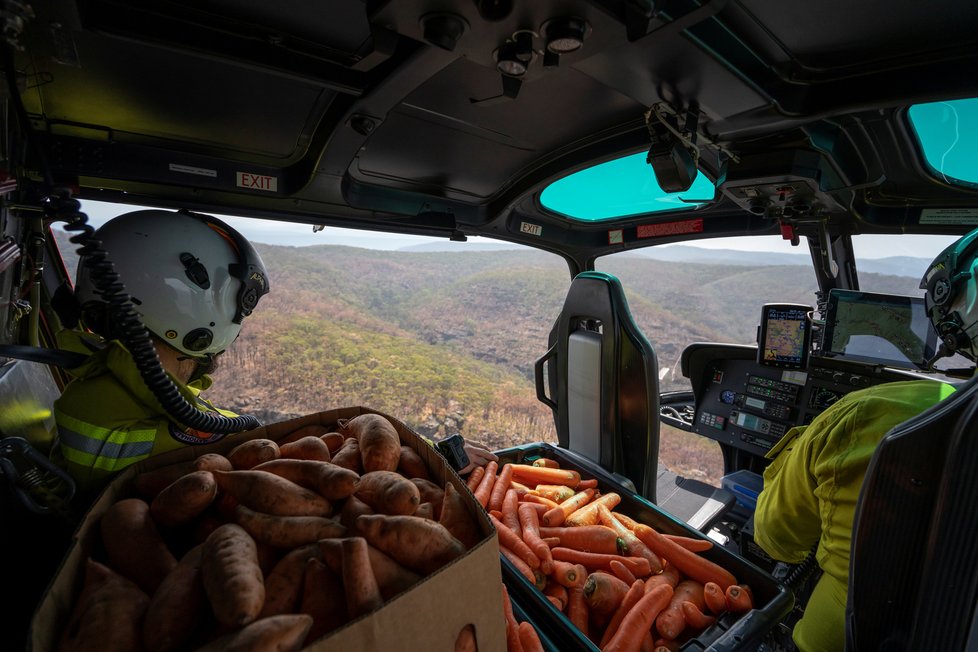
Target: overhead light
(508,60)
(566,35)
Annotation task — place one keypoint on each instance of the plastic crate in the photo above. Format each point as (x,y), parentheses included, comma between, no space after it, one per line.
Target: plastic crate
(746,487)
(731,632)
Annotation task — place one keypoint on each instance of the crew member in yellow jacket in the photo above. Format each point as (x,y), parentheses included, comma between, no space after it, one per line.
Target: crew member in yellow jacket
(812,486)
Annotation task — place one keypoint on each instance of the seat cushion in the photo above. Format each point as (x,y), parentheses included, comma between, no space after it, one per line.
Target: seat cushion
(692,501)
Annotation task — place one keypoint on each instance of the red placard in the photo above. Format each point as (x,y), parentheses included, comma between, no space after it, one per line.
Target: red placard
(670,228)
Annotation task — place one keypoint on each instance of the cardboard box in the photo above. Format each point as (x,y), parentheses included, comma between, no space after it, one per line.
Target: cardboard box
(427,616)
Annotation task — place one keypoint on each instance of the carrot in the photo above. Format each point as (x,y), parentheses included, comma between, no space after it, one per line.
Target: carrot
(634,545)
(513,643)
(557,591)
(348,456)
(521,566)
(639,566)
(662,645)
(588,515)
(380,445)
(495,512)
(635,591)
(695,617)
(638,621)
(534,475)
(669,575)
(569,574)
(671,622)
(329,480)
(286,531)
(475,477)
(577,611)
(603,593)
(484,489)
(456,518)
(557,515)
(232,577)
(558,605)
(272,494)
(689,543)
(359,583)
(419,544)
(552,542)
(521,489)
(546,462)
(588,484)
(541,500)
(251,453)
(500,487)
(530,528)
(388,492)
(555,492)
(392,578)
(714,597)
(587,538)
(307,448)
(529,638)
(621,572)
(411,465)
(537,507)
(513,541)
(510,512)
(739,598)
(688,563)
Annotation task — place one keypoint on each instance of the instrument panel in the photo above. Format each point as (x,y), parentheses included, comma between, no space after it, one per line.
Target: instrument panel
(750,406)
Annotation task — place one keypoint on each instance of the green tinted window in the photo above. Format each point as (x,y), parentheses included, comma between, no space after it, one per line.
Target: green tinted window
(624,186)
(948,134)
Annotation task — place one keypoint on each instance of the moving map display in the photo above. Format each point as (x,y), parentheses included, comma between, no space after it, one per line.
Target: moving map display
(785,335)
(891,330)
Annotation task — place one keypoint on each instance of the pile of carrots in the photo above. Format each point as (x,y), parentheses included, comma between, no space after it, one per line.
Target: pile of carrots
(623,584)
(271,545)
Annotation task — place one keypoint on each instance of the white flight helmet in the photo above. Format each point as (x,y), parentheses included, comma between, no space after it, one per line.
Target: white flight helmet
(951,301)
(192,278)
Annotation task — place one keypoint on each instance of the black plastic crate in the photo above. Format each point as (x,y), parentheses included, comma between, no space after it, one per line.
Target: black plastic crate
(731,632)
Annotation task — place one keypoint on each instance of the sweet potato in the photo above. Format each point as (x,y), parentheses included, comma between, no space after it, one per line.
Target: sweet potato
(348,456)
(322,598)
(359,584)
(250,454)
(134,546)
(266,492)
(286,531)
(457,519)
(425,510)
(284,633)
(150,483)
(330,481)
(307,448)
(284,584)
(232,576)
(388,492)
(334,441)
(392,578)
(312,430)
(380,446)
(353,507)
(430,493)
(177,609)
(419,544)
(108,616)
(184,499)
(410,464)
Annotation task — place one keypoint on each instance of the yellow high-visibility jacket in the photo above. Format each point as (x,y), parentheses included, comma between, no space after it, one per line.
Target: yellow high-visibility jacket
(811,489)
(108,419)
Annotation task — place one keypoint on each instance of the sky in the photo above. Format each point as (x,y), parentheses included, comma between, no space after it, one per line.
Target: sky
(286,233)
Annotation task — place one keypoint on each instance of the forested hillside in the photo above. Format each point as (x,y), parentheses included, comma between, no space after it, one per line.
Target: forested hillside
(447,341)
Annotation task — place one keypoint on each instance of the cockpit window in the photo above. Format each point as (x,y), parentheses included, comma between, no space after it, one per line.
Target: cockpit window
(618,188)
(948,136)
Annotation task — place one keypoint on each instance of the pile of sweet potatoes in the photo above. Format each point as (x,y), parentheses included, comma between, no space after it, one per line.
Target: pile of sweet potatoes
(272,545)
(623,584)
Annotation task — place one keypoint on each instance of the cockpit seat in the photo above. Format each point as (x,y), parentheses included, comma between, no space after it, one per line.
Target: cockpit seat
(601,381)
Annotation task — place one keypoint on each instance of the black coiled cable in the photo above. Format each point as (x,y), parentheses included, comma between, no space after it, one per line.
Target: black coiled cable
(128,324)
(801,572)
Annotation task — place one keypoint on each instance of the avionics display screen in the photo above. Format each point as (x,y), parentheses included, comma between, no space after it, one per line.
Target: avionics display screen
(785,336)
(885,329)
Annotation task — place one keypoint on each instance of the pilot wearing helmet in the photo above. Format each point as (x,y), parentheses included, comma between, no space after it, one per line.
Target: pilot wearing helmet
(192,280)
(812,486)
